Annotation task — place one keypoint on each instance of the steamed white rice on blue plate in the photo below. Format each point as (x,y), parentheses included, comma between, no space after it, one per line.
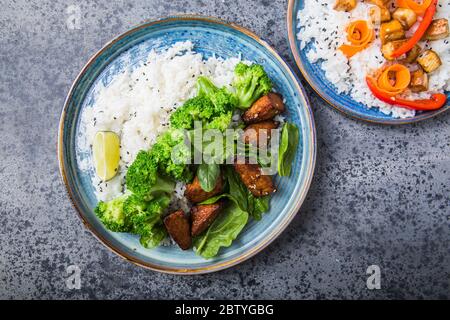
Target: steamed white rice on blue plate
(324,27)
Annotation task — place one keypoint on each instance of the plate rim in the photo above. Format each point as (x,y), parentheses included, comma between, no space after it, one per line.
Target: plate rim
(310,166)
(342,109)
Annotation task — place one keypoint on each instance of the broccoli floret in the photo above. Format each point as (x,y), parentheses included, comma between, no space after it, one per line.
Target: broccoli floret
(172,155)
(141,175)
(250,82)
(213,107)
(205,87)
(135,209)
(152,235)
(112,215)
(150,227)
(221,122)
(223,100)
(199,108)
(139,211)
(163,185)
(143,178)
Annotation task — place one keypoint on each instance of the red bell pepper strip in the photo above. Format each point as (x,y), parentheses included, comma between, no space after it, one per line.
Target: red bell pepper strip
(423,26)
(436,101)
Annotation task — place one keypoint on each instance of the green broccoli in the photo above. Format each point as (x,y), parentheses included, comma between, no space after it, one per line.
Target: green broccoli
(213,107)
(150,226)
(250,82)
(141,175)
(139,211)
(221,122)
(152,235)
(143,179)
(112,215)
(134,206)
(199,108)
(223,100)
(172,155)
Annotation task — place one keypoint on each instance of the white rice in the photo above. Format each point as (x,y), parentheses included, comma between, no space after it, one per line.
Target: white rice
(136,105)
(325,27)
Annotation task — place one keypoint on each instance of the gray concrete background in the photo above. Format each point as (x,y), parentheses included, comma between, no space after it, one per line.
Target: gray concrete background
(380,194)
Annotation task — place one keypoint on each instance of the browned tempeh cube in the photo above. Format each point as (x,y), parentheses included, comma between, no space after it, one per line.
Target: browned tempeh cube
(264,108)
(203,215)
(178,227)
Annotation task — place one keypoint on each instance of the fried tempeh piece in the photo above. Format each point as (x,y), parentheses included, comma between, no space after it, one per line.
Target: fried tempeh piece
(178,227)
(195,193)
(412,54)
(344,5)
(254,132)
(429,60)
(390,31)
(419,81)
(405,16)
(203,215)
(264,108)
(388,48)
(259,185)
(379,14)
(437,30)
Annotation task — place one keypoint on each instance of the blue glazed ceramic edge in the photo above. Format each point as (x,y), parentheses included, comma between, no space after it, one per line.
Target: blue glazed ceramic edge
(295,203)
(325,90)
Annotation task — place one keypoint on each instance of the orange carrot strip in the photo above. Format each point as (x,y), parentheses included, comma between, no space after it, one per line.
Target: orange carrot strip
(394,79)
(359,34)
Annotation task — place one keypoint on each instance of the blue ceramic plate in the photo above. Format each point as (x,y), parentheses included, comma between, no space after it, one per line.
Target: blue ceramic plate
(210,36)
(315,76)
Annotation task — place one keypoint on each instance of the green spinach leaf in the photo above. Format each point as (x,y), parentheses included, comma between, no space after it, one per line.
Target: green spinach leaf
(222,232)
(217,198)
(260,205)
(207,175)
(243,197)
(238,190)
(287,148)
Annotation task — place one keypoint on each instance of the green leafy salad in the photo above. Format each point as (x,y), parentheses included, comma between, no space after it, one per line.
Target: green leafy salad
(224,192)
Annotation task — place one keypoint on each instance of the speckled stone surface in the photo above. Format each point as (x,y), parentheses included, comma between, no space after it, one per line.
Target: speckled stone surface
(380,194)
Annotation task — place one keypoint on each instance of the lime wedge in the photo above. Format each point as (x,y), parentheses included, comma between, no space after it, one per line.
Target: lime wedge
(106,151)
